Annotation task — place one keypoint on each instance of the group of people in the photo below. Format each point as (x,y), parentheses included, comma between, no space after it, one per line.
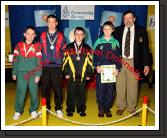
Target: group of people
(55,60)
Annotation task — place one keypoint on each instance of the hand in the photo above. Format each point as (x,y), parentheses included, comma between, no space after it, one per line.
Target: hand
(146,70)
(116,72)
(37,79)
(99,70)
(14,77)
(67,76)
(87,78)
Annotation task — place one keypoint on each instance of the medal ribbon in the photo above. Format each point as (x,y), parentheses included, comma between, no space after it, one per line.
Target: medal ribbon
(26,53)
(51,42)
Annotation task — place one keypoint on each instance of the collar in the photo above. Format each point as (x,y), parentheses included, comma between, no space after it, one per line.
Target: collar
(111,38)
(131,28)
(53,34)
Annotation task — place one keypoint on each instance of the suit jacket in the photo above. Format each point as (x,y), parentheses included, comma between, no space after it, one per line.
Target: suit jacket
(141,53)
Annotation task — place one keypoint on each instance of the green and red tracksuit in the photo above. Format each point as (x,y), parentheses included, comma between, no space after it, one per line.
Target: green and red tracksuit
(26,66)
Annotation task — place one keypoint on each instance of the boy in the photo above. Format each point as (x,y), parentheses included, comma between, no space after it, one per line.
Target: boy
(27,56)
(53,46)
(77,69)
(103,46)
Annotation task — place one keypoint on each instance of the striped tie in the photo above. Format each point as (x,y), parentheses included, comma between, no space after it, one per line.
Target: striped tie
(127,44)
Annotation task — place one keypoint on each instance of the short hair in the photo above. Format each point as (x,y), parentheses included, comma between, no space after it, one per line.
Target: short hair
(129,11)
(79,29)
(52,16)
(30,27)
(108,23)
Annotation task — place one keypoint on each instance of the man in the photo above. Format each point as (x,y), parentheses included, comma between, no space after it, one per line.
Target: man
(53,46)
(135,60)
(78,68)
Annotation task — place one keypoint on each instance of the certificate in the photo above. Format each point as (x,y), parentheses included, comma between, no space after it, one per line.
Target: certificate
(107,74)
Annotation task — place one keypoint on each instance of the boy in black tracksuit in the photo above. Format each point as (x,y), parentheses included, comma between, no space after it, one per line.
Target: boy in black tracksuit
(77,68)
(105,47)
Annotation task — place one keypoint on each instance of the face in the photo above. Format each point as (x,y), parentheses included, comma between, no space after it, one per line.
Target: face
(129,20)
(52,23)
(29,35)
(107,29)
(79,36)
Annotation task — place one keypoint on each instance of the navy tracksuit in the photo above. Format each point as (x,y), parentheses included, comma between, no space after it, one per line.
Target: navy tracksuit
(103,56)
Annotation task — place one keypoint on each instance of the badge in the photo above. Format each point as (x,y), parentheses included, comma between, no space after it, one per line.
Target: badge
(140,39)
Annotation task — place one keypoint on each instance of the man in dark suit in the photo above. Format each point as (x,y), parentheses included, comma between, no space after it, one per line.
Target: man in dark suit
(135,61)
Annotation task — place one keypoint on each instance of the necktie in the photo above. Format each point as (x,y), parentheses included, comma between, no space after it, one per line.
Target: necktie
(127,44)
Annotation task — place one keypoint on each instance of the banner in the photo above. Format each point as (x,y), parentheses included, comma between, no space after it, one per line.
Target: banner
(79,12)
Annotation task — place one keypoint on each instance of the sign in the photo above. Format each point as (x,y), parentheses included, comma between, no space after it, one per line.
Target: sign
(40,17)
(114,17)
(151,22)
(77,12)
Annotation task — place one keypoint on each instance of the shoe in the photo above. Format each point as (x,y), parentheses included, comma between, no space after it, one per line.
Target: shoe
(82,114)
(34,114)
(16,116)
(108,114)
(101,114)
(119,112)
(59,113)
(70,114)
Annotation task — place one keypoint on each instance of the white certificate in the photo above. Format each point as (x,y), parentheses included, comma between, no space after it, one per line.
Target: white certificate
(107,74)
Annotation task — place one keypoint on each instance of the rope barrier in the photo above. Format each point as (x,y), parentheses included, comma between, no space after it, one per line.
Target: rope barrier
(85,124)
(101,124)
(153,112)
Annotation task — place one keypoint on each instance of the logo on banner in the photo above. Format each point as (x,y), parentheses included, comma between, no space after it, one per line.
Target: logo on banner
(79,12)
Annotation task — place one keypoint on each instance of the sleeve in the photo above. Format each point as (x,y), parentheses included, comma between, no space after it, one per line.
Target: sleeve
(65,67)
(145,49)
(63,47)
(89,68)
(117,58)
(15,60)
(39,61)
(96,57)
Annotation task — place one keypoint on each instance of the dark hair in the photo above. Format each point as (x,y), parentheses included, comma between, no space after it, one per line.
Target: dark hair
(79,29)
(109,23)
(129,11)
(52,16)
(30,27)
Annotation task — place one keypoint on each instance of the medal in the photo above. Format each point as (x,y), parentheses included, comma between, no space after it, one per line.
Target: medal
(51,42)
(77,51)
(78,58)
(52,47)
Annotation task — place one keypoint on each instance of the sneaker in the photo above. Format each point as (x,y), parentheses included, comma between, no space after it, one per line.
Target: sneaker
(82,114)
(70,114)
(16,116)
(34,114)
(59,113)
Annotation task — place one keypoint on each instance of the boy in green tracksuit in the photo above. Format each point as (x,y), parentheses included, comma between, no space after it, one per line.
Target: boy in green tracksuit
(26,70)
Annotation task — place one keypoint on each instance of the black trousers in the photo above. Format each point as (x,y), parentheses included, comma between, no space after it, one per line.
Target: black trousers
(76,95)
(52,78)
